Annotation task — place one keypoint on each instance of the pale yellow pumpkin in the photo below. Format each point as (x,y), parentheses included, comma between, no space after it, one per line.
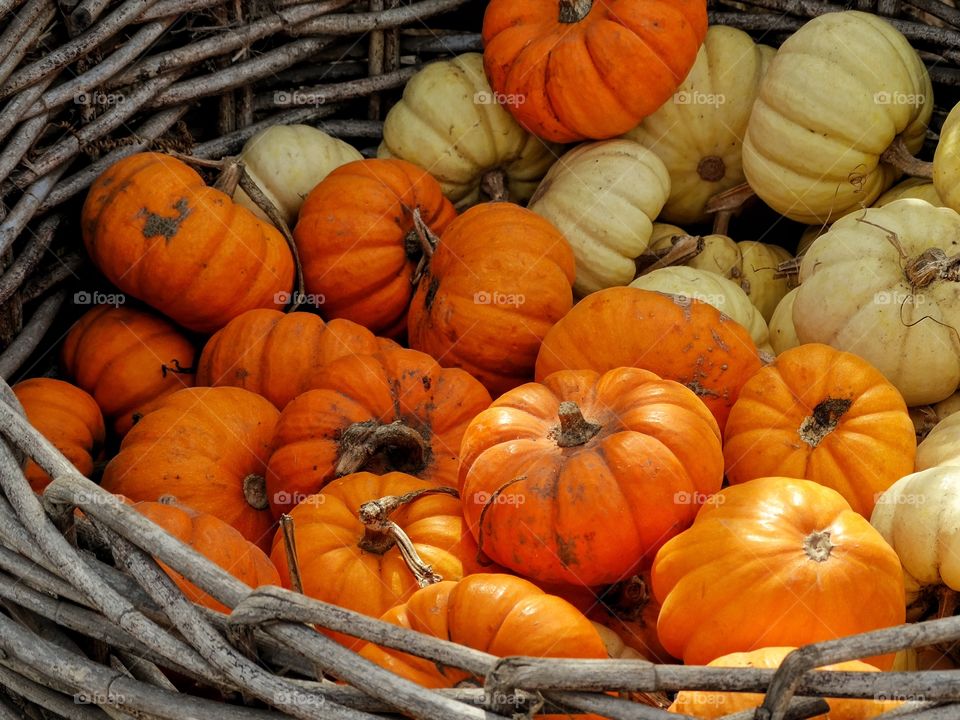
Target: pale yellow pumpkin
(946,161)
(837,94)
(698,133)
(450,123)
(917,188)
(616,647)
(808,236)
(604,198)
(941,446)
(783,334)
(927,417)
(873,286)
(918,659)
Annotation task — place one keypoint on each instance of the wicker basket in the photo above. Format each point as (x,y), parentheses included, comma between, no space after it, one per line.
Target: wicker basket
(88,618)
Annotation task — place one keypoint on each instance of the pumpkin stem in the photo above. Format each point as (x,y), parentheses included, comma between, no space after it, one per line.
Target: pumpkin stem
(726,205)
(826,416)
(573,11)
(229,177)
(574,428)
(932,265)
(493,184)
(627,599)
(817,545)
(789,269)
(901,158)
(422,242)
(362,441)
(175,367)
(290,549)
(255,491)
(683,249)
(712,168)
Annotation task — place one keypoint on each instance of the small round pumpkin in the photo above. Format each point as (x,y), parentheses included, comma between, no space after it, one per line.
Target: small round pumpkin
(396,410)
(783,334)
(940,448)
(158,233)
(604,198)
(208,448)
(217,541)
(698,134)
(812,150)
(66,416)
(127,359)
(450,122)
(286,162)
(359,241)
(500,278)
(578,69)
(678,339)
(822,415)
(277,355)
(917,188)
(816,571)
(552,481)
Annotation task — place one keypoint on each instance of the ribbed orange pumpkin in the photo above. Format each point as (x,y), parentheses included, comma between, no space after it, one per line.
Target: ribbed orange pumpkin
(158,233)
(358,242)
(578,69)
(775,561)
(397,410)
(499,614)
(220,543)
(580,479)
(677,338)
(277,355)
(127,359)
(208,448)
(498,281)
(67,417)
(824,415)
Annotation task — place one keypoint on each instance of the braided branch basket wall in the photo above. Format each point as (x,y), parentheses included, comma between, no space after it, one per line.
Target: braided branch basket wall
(88,618)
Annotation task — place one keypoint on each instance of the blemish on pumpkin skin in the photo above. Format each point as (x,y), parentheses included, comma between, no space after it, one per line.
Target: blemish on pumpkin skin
(165,227)
(566,551)
(432,287)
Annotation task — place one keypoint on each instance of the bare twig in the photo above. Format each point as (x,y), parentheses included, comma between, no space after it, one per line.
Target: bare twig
(31,336)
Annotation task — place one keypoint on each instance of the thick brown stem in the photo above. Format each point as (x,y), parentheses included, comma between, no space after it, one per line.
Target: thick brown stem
(255,491)
(684,249)
(817,545)
(626,600)
(574,429)
(493,184)
(932,265)
(420,241)
(573,11)
(712,169)
(901,158)
(789,269)
(825,418)
(405,448)
(727,204)
(290,549)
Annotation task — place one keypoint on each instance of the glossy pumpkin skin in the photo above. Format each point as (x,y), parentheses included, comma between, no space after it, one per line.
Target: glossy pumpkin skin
(395,385)
(498,281)
(449,122)
(357,242)
(817,571)
(286,162)
(823,415)
(206,447)
(698,134)
(687,341)
(277,355)
(812,151)
(338,567)
(710,705)
(158,233)
(66,416)
(127,359)
(940,447)
(217,541)
(603,197)
(574,507)
(569,76)
(499,614)
(783,334)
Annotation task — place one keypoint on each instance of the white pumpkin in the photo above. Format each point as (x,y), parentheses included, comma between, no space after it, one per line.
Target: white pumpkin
(946,161)
(713,289)
(808,236)
(449,123)
(941,446)
(837,94)
(917,188)
(927,417)
(698,133)
(604,197)
(873,286)
(287,161)
(783,335)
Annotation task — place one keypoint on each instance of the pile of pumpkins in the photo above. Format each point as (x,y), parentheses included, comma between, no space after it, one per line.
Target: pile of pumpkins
(520,407)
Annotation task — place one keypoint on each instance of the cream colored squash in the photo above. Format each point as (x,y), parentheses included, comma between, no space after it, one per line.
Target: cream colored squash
(808,236)
(287,162)
(917,188)
(918,659)
(870,287)
(927,417)
(837,94)
(698,133)
(713,289)
(616,647)
(946,161)
(604,198)
(941,447)
(449,123)
(783,335)
(919,516)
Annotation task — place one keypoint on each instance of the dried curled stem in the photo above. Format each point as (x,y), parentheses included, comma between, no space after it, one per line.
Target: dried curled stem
(405,448)
(901,158)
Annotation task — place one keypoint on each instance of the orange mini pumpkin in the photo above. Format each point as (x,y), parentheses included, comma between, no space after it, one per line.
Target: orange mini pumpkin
(397,410)
(157,232)
(277,355)
(208,448)
(359,242)
(127,359)
(675,337)
(824,415)
(580,479)
(578,69)
(67,417)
